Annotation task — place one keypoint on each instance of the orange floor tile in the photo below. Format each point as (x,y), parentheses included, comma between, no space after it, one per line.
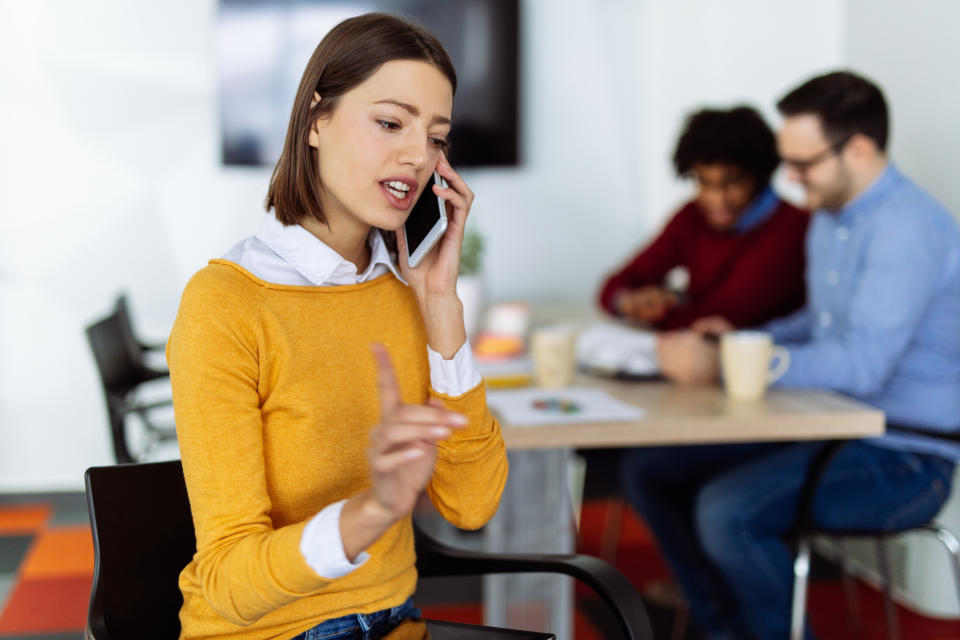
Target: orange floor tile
(60,552)
(25,518)
(47,604)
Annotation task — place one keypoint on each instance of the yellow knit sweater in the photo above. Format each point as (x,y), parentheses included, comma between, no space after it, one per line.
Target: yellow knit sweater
(274,391)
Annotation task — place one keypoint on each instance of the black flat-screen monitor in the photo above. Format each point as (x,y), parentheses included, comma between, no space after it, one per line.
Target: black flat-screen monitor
(263,47)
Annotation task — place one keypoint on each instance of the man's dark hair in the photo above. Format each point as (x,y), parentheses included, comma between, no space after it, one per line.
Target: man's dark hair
(737,137)
(846,104)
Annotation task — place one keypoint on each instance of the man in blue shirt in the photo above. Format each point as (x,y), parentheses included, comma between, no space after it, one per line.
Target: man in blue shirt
(881,324)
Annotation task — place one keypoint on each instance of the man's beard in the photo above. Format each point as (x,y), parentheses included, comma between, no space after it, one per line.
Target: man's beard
(839,192)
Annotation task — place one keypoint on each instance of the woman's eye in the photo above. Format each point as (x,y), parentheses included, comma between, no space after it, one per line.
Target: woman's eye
(440,143)
(386,124)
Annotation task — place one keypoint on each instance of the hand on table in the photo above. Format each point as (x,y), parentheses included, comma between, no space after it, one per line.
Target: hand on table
(646,304)
(687,358)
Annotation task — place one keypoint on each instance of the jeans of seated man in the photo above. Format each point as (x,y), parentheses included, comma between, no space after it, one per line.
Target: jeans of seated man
(366,626)
(720,513)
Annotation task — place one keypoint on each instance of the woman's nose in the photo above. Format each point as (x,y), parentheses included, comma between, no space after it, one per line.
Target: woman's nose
(415,153)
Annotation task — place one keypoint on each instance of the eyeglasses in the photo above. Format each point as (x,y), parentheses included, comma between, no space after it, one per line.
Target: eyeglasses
(802,166)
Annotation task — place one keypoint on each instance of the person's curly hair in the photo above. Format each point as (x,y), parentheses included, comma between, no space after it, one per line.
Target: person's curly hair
(738,137)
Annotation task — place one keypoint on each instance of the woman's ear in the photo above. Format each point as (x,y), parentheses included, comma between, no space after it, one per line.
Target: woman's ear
(313,138)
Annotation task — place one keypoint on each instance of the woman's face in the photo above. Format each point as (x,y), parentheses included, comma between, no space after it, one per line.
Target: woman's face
(381,143)
(724,192)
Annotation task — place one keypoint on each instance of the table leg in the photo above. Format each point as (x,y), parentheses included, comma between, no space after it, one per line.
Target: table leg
(535,516)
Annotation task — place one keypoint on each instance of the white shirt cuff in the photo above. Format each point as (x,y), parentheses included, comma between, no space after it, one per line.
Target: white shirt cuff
(456,376)
(322,546)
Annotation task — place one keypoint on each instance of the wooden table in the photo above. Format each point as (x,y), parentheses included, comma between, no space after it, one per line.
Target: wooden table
(704,415)
(535,512)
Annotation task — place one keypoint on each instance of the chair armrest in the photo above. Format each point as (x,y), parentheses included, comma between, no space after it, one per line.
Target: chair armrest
(437,559)
(143,411)
(147,406)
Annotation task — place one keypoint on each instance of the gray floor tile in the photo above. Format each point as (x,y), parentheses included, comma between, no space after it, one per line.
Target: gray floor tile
(12,550)
(23,498)
(69,509)
(6,586)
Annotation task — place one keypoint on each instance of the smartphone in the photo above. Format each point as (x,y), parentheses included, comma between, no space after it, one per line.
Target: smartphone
(426,223)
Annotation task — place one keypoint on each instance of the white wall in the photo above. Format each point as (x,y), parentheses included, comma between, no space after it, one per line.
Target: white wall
(912,51)
(110,180)
(700,53)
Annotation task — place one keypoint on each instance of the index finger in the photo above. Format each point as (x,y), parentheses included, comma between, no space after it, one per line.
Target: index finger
(387,387)
(454,181)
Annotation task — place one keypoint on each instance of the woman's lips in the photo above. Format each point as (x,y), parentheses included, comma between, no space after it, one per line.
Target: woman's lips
(399,193)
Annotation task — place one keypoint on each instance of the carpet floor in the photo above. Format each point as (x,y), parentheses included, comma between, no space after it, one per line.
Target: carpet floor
(46,568)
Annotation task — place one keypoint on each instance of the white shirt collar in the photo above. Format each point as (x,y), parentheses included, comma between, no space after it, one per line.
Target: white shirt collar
(316,261)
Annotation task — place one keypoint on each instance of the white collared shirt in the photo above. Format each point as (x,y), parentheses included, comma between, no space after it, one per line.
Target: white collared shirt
(291,255)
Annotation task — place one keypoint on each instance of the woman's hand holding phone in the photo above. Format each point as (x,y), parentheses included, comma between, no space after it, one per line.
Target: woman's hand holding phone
(434,279)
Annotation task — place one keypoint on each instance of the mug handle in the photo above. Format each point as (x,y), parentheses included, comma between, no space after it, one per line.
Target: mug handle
(781,358)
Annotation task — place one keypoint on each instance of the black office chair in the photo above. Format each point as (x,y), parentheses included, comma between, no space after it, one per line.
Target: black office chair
(122,368)
(805,529)
(122,308)
(143,537)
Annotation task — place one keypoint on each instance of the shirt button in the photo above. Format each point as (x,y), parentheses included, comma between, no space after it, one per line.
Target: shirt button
(842,234)
(832,278)
(825,319)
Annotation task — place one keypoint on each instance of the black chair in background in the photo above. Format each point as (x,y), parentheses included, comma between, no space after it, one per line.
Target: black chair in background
(143,537)
(123,368)
(805,529)
(122,308)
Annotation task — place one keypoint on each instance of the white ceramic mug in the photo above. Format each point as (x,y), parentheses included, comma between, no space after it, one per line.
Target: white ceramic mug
(746,358)
(553,350)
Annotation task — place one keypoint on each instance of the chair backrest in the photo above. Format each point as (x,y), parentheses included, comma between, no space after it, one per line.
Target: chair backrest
(122,309)
(143,538)
(119,359)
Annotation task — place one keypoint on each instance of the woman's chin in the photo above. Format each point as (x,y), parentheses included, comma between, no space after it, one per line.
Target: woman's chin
(722,221)
(393,223)
(387,218)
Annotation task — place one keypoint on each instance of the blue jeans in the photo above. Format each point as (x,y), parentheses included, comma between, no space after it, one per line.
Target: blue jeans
(367,626)
(720,512)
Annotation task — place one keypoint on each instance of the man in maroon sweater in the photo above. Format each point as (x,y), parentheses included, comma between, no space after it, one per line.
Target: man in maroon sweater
(741,245)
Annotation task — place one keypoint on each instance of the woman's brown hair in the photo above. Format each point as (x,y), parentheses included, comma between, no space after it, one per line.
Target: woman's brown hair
(347,56)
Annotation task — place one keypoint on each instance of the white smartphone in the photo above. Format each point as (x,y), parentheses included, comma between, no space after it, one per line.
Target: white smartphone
(426,223)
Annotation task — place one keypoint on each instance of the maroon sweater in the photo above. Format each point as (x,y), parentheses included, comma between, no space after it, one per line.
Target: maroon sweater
(748,278)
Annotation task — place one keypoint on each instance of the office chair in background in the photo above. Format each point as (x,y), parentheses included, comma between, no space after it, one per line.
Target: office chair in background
(805,529)
(121,362)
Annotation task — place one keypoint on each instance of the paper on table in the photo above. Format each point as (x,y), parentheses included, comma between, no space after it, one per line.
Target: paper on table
(615,348)
(534,407)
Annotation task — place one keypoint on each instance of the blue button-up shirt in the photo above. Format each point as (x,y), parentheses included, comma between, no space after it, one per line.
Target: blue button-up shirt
(882,321)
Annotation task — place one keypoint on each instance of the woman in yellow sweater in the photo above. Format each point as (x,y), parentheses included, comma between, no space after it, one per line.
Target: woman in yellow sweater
(318,387)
